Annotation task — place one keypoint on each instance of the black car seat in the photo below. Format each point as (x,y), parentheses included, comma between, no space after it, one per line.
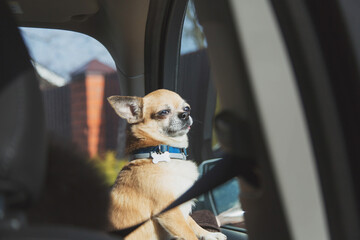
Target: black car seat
(22,133)
(22,141)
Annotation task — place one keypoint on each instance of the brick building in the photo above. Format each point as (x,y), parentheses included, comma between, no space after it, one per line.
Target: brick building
(79,110)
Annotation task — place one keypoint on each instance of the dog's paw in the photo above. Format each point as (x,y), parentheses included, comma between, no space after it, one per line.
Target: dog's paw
(214,236)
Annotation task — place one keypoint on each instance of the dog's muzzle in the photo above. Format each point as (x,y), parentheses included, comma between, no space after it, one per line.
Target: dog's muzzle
(184,115)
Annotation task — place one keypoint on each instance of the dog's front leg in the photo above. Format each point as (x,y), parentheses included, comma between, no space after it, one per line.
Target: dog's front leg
(203,234)
(175,224)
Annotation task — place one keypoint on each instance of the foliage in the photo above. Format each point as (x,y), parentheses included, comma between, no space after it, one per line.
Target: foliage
(194,29)
(109,166)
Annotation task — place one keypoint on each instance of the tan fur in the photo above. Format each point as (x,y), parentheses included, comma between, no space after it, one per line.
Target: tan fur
(143,188)
(146,133)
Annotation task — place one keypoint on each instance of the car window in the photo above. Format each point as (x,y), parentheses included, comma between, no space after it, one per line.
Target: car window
(76,74)
(194,70)
(195,85)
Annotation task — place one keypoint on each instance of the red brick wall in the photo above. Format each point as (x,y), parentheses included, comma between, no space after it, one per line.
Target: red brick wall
(94,124)
(79,111)
(95,100)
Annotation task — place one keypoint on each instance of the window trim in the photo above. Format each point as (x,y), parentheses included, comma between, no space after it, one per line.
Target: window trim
(162,44)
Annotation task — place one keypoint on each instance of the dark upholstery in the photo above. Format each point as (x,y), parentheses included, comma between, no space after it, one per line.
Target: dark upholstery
(56,233)
(22,130)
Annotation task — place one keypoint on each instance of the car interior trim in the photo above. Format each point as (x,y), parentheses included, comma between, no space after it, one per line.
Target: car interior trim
(314,80)
(162,43)
(283,119)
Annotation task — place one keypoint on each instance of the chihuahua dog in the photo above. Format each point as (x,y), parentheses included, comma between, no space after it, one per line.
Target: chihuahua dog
(159,173)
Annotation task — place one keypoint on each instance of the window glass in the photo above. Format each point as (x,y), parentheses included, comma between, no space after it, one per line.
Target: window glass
(194,84)
(194,71)
(226,196)
(64,52)
(193,37)
(76,74)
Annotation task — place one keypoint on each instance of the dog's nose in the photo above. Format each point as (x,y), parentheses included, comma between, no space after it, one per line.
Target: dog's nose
(184,115)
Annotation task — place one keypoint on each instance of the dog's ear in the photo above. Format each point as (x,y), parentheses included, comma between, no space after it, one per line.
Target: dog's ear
(129,108)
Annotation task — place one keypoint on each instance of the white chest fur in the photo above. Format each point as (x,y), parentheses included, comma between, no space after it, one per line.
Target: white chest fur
(180,176)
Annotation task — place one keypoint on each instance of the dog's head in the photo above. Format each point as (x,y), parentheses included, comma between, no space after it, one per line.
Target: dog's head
(161,117)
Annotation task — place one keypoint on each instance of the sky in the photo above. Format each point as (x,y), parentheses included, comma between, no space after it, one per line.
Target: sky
(63,52)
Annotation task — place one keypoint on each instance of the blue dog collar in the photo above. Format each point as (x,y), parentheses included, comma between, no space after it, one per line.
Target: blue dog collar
(174,152)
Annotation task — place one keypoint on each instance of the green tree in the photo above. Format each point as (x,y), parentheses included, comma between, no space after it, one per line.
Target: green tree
(109,166)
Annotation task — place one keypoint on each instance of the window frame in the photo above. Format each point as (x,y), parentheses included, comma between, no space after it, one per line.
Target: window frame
(162,44)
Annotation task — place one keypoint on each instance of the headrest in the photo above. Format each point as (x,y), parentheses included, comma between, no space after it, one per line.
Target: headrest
(22,123)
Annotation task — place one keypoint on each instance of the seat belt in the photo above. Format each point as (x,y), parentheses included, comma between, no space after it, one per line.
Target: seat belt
(234,164)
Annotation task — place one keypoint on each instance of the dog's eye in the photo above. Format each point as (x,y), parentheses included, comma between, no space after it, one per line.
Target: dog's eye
(187,109)
(164,112)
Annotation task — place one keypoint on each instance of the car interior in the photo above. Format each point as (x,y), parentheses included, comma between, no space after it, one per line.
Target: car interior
(285,74)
